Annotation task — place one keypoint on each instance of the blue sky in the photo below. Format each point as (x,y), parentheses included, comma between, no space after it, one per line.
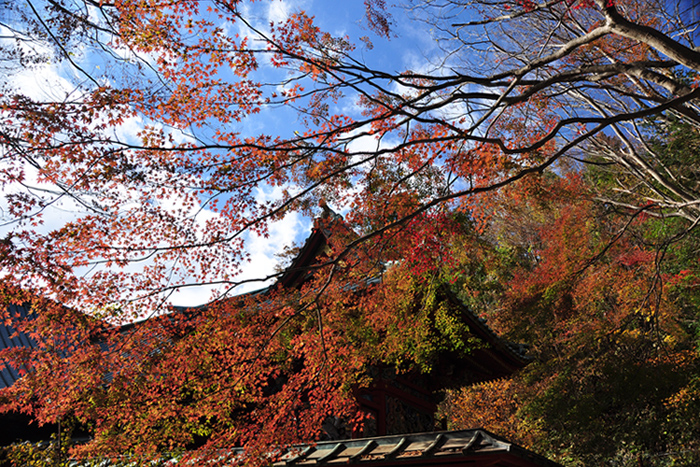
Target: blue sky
(409,49)
(406,50)
(413,47)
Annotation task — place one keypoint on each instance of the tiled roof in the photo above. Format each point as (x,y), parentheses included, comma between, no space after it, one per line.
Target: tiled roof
(10,338)
(473,447)
(513,356)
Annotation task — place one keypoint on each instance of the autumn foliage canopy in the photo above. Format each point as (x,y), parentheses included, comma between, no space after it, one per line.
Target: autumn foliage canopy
(543,165)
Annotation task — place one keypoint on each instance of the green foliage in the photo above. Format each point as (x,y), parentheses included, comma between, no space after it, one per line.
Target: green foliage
(676,146)
(610,310)
(413,322)
(51,453)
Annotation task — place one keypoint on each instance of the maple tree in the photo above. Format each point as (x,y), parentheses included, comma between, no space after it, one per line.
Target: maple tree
(568,82)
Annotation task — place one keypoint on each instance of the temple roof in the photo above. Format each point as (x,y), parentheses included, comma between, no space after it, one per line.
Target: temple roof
(498,358)
(10,338)
(476,447)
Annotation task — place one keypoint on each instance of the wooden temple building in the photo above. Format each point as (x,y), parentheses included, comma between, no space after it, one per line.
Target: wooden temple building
(402,404)
(402,431)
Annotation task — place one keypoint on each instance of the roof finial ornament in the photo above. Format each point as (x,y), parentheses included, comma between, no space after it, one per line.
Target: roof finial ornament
(327,213)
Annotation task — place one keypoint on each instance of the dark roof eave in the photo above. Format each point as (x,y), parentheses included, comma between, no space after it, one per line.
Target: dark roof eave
(501,349)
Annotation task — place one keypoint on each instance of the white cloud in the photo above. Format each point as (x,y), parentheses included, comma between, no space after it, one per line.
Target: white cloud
(262,253)
(42,83)
(261,264)
(52,82)
(263,250)
(278,11)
